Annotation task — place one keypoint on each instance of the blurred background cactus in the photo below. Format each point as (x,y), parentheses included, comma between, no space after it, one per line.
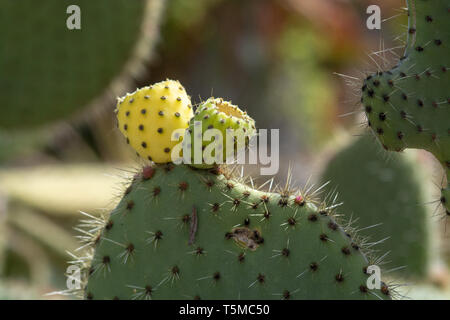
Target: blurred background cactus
(53,73)
(57,86)
(277,59)
(387,197)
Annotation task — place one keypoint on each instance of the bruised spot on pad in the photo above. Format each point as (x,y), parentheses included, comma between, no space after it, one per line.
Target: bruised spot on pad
(246,237)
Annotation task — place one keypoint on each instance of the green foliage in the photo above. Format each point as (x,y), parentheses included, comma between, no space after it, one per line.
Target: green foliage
(217,114)
(408,106)
(301,88)
(182,233)
(391,192)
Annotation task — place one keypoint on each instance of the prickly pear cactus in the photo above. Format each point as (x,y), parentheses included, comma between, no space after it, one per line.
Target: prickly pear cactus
(52,72)
(400,216)
(149,116)
(183,233)
(222,116)
(408,106)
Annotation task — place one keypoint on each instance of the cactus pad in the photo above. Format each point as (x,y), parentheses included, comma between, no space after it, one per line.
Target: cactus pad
(409,106)
(51,72)
(388,200)
(183,233)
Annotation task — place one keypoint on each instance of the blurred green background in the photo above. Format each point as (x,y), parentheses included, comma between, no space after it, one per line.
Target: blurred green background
(277,59)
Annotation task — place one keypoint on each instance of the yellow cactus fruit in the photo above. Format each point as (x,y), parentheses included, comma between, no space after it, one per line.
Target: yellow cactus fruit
(149,116)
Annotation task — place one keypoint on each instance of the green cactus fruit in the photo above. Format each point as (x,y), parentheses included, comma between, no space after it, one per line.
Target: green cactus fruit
(397,189)
(408,106)
(51,72)
(184,233)
(215,113)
